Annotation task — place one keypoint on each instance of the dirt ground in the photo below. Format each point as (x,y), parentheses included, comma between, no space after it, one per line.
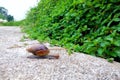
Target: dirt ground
(17,64)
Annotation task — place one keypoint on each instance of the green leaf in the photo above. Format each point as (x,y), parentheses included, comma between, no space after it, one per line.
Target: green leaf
(100,51)
(109,38)
(117,52)
(117,43)
(116,19)
(109,23)
(70,51)
(104,44)
(77,48)
(110,59)
(113,54)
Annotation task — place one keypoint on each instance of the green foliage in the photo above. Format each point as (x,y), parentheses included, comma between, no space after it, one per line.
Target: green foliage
(1,16)
(89,26)
(10,18)
(12,23)
(110,60)
(4,15)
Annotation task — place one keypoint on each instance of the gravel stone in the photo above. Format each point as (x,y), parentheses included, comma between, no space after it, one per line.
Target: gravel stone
(17,64)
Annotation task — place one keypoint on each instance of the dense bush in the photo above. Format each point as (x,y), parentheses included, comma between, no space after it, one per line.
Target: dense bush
(89,26)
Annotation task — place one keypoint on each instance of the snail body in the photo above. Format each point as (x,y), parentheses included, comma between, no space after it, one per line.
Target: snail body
(41,50)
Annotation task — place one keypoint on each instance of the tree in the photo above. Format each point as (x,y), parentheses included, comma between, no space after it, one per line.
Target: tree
(10,18)
(4,14)
(1,16)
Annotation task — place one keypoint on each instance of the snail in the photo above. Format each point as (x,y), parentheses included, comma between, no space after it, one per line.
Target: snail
(40,50)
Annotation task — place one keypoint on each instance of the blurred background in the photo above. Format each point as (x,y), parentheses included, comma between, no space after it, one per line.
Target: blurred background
(16,9)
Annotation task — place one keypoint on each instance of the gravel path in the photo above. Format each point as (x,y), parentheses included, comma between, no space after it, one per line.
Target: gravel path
(17,64)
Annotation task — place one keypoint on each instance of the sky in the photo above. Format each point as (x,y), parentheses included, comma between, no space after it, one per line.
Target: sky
(18,8)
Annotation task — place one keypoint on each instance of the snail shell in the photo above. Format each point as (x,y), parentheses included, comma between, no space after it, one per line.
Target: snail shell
(38,50)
